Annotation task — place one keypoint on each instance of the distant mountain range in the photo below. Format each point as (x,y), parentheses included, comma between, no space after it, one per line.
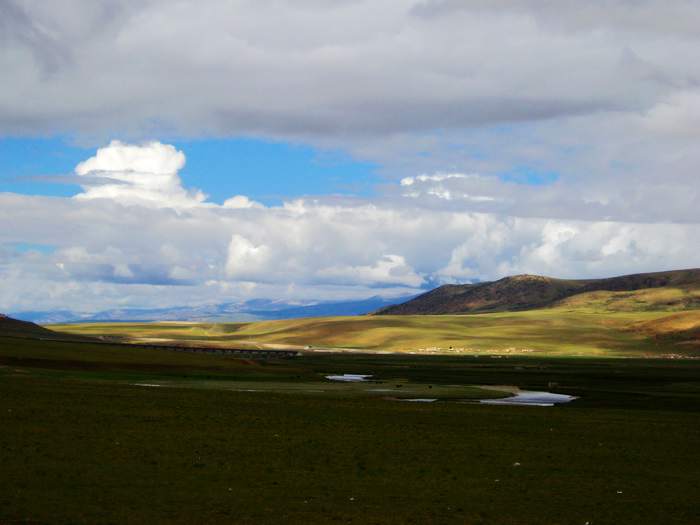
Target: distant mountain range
(523,292)
(254,310)
(519,292)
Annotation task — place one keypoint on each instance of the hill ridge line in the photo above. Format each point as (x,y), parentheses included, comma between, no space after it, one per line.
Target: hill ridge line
(531,291)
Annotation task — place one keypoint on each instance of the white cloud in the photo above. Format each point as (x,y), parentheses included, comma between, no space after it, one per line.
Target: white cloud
(388,270)
(449,186)
(438,177)
(107,254)
(247,259)
(241,202)
(144,174)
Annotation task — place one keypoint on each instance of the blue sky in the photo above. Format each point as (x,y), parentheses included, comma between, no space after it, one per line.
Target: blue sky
(270,171)
(265,171)
(28,165)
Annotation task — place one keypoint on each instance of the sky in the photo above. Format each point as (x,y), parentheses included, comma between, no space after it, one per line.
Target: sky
(157,153)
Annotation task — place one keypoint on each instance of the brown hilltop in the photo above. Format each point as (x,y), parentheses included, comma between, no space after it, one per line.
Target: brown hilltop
(522,292)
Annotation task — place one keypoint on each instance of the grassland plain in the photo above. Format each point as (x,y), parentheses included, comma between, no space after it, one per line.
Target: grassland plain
(668,299)
(561,331)
(81,443)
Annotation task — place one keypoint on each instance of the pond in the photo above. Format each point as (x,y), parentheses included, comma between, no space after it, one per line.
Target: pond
(531,398)
(350,378)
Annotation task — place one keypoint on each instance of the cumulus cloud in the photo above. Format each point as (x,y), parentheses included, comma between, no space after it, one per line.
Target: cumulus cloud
(109,255)
(246,259)
(388,270)
(438,177)
(144,174)
(442,186)
(238,202)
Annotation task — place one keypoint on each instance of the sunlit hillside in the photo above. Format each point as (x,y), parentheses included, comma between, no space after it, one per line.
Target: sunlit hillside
(557,331)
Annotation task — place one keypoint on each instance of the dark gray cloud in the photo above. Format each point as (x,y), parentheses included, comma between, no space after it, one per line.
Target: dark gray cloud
(352,69)
(672,17)
(18,27)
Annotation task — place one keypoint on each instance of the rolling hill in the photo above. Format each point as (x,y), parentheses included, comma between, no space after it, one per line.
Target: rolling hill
(539,332)
(17,328)
(10,327)
(524,292)
(642,315)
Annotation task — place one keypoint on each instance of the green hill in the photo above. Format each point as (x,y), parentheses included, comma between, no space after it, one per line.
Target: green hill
(667,298)
(653,315)
(546,332)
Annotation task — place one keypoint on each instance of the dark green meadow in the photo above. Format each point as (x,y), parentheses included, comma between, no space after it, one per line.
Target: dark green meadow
(80,443)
